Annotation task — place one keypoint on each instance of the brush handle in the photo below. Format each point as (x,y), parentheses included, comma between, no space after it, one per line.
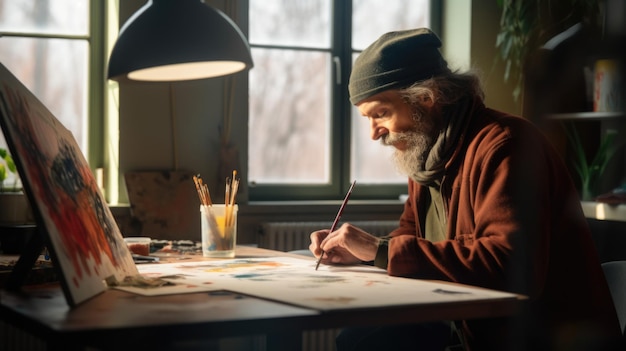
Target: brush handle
(337,217)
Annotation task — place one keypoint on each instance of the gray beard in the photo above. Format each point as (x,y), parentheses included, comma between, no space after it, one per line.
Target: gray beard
(412,160)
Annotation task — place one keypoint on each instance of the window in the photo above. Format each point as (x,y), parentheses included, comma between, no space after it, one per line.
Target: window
(54,48)
(306,141)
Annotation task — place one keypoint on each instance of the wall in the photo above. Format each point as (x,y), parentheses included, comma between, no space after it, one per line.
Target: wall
(469,42)
(148,132)
(456,33)
(484,29)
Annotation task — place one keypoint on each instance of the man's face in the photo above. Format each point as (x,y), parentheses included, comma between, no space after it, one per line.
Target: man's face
(397,124)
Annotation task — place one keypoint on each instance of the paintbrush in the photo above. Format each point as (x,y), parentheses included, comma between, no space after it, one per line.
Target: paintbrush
(332,228)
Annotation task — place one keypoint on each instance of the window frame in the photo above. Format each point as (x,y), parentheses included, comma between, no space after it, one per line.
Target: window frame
(341,109)
(96,127)
(95,85)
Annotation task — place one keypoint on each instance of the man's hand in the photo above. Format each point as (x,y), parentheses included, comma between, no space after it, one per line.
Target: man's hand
(346,245)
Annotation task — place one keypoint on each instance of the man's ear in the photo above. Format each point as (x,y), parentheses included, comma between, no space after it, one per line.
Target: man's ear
(426,101)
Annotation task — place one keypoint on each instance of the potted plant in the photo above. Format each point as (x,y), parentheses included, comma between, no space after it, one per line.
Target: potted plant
(14,207)
(590,172)
(526,25)
(7,168)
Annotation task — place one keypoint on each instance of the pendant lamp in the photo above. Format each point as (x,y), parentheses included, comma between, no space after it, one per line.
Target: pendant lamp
(175,40)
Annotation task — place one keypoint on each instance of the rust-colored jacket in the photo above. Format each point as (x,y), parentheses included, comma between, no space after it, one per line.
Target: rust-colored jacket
(514,223)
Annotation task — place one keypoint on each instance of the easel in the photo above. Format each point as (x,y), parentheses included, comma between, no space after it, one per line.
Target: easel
(26,261)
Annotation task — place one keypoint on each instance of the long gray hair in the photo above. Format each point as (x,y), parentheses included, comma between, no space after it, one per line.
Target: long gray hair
(443,90)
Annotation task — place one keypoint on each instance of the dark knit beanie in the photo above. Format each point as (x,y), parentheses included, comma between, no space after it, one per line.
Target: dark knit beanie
(396,60)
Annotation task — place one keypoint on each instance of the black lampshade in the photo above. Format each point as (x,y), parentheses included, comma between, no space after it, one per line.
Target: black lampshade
(172,40)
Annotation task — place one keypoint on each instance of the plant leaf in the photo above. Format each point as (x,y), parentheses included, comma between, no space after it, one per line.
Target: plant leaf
(605,152)
(10,163)
(580,161)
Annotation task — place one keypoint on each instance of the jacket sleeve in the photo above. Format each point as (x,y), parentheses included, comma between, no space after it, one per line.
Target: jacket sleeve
(498,217)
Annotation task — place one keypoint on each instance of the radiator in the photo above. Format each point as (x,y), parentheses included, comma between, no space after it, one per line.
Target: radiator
(14,339)
(319,340)
(289,236)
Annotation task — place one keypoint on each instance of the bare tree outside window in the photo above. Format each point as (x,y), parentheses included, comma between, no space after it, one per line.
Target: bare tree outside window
(289,92)
(371,162)
(295,94)
(289,116)
(372,18)
(45,45)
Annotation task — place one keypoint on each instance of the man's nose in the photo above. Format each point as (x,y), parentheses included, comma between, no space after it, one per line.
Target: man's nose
(376,131)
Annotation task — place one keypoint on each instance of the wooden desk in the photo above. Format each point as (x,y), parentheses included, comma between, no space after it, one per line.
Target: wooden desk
(120,320)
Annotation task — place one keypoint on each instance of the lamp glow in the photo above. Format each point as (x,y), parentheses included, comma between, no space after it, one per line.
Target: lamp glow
(174,40)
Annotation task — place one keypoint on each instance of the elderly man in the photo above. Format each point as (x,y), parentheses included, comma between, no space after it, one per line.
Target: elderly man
(490,204)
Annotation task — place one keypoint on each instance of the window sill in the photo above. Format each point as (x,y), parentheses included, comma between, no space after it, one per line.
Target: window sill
(382,207)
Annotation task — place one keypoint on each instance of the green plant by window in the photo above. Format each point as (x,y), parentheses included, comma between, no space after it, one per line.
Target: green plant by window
(7,166)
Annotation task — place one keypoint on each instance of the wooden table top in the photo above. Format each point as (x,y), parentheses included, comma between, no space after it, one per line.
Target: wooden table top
(117,314)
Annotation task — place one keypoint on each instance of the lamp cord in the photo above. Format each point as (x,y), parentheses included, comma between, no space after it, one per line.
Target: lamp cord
(173,123)
(229,92)
(229,88)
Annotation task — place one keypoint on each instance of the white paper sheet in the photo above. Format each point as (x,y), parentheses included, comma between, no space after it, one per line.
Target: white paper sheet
(295,281)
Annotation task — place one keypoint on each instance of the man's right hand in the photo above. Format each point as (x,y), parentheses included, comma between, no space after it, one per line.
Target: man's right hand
(346,245)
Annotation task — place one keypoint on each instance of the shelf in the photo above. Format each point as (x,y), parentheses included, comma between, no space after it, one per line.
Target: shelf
(604,212)
(586,115)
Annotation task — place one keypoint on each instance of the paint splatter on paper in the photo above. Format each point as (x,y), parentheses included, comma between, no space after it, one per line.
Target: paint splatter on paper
(295,281)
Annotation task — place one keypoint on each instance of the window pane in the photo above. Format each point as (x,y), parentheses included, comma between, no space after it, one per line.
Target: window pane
(289,117)
(55,70)
(45,16)
(370,18)
(366,29)
(371,161)
(304,23)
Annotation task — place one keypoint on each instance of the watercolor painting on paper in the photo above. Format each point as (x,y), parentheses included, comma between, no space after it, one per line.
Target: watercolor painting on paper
(295,281)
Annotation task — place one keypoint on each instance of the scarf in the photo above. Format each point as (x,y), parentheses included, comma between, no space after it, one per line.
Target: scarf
(455,120)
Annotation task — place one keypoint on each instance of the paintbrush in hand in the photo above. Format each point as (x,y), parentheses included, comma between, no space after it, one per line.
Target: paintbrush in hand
(334,226)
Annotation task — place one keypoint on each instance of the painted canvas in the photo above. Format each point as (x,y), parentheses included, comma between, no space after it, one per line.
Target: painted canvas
(82,236)
(295,281)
